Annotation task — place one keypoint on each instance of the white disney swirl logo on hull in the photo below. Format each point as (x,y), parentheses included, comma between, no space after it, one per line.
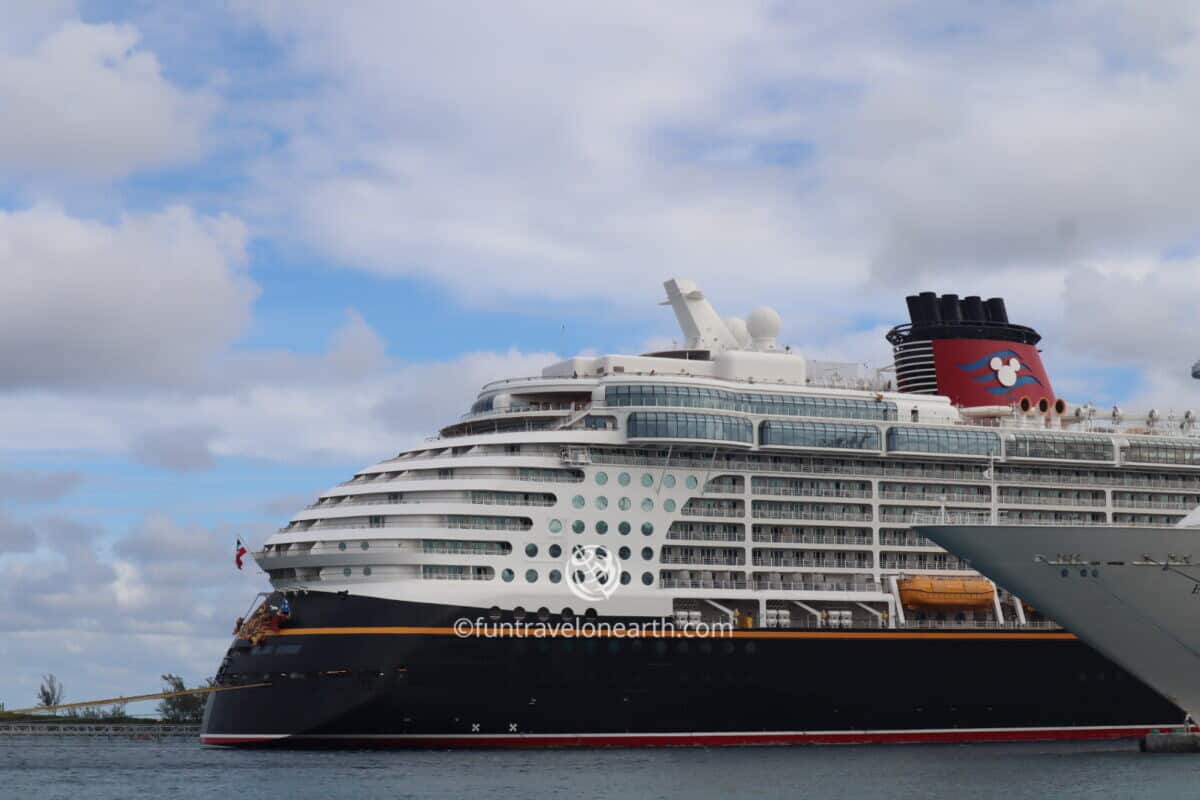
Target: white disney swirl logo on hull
(1006,373)
(593,572)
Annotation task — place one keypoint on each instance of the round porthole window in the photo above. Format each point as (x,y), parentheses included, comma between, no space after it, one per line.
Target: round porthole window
(602,527)
(669,481)
(365,545)
(692,482)
(624,504)
(601,478)
(624,528)
(668,505)
(341,545)
(647,479)
(506,576)
(555,551)
(531,549)
(647,529)
(601,502)
(647,578)
(531,575)
(626,578)
(346,571)
(647,504)
(555,576)
(578,501)
(556,526)
(623,553)
(623,479)
(367,571)
(647,553)
(578,526)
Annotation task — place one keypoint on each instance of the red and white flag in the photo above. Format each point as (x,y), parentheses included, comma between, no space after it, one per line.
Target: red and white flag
(240,553)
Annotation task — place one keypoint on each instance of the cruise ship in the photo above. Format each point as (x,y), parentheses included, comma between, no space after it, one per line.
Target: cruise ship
(1126,590)
(707,545)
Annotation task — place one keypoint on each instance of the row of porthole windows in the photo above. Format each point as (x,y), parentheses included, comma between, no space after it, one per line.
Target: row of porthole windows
(623,503)
(363,545)
(554,551)
(543,613)
(647,479)
(579,526)
(555,576)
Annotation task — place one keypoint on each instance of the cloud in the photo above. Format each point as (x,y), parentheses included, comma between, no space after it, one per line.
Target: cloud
(80,605)
(1142,314)
(179,449)
(146,300)
(350,402)
(15,536)
(827,160)
(85,102)
(29,486)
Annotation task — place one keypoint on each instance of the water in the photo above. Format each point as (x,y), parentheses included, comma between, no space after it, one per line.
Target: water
(80,769)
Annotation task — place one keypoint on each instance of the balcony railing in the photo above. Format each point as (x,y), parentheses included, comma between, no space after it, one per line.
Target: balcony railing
(779,491)
(1035,500)
(1172,505)
(722,561)
(675,583)
(760,538)
(711,511)
(824,515)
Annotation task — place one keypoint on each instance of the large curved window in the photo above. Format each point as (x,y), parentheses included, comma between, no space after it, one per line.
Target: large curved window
(1163,453)
(483,404)
(780,404)
(655,425)
(934,440)
(1049,445)
(819,434)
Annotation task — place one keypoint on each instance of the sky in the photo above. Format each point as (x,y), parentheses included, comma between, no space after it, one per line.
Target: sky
(247,248)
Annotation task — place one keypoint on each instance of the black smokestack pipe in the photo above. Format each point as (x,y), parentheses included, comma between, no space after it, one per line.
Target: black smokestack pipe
(972,308)
(929,307)
(996,312)
(914,309)
(951,311)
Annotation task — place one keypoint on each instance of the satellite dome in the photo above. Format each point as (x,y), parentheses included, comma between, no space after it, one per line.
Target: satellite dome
(763,326)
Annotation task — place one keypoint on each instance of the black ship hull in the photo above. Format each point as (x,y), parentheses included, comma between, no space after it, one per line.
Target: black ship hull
(355,671)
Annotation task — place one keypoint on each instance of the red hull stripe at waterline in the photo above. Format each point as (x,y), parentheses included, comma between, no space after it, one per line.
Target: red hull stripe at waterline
(519,740)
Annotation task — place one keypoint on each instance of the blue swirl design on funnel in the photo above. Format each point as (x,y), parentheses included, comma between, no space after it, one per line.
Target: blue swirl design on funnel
(990,376)
(1021,381)
(986,360)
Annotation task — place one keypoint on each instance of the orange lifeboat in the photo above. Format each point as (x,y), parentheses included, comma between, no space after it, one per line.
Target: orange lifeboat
(929,592)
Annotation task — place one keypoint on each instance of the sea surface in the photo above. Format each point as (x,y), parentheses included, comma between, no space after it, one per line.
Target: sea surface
(81,769)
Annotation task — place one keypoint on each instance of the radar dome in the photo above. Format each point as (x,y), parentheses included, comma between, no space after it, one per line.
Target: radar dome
(737,326)
(763,326)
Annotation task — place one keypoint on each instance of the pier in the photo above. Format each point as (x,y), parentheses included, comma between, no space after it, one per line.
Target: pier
(119,730)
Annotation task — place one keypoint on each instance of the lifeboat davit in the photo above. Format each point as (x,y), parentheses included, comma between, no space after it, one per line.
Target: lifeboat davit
(929,592)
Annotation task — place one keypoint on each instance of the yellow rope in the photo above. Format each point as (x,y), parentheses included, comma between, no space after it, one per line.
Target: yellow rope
(133,698)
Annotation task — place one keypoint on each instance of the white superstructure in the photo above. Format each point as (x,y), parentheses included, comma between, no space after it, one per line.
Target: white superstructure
(732,478)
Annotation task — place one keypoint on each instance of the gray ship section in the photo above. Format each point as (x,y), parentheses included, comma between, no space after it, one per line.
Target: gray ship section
(1132,593)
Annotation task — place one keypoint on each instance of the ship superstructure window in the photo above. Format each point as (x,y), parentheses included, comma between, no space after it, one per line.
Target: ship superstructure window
(933,440)
(483,404)
(820,434)
(655,425)
(437,572)
(754,403)
(1163,453)
(1048,445)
